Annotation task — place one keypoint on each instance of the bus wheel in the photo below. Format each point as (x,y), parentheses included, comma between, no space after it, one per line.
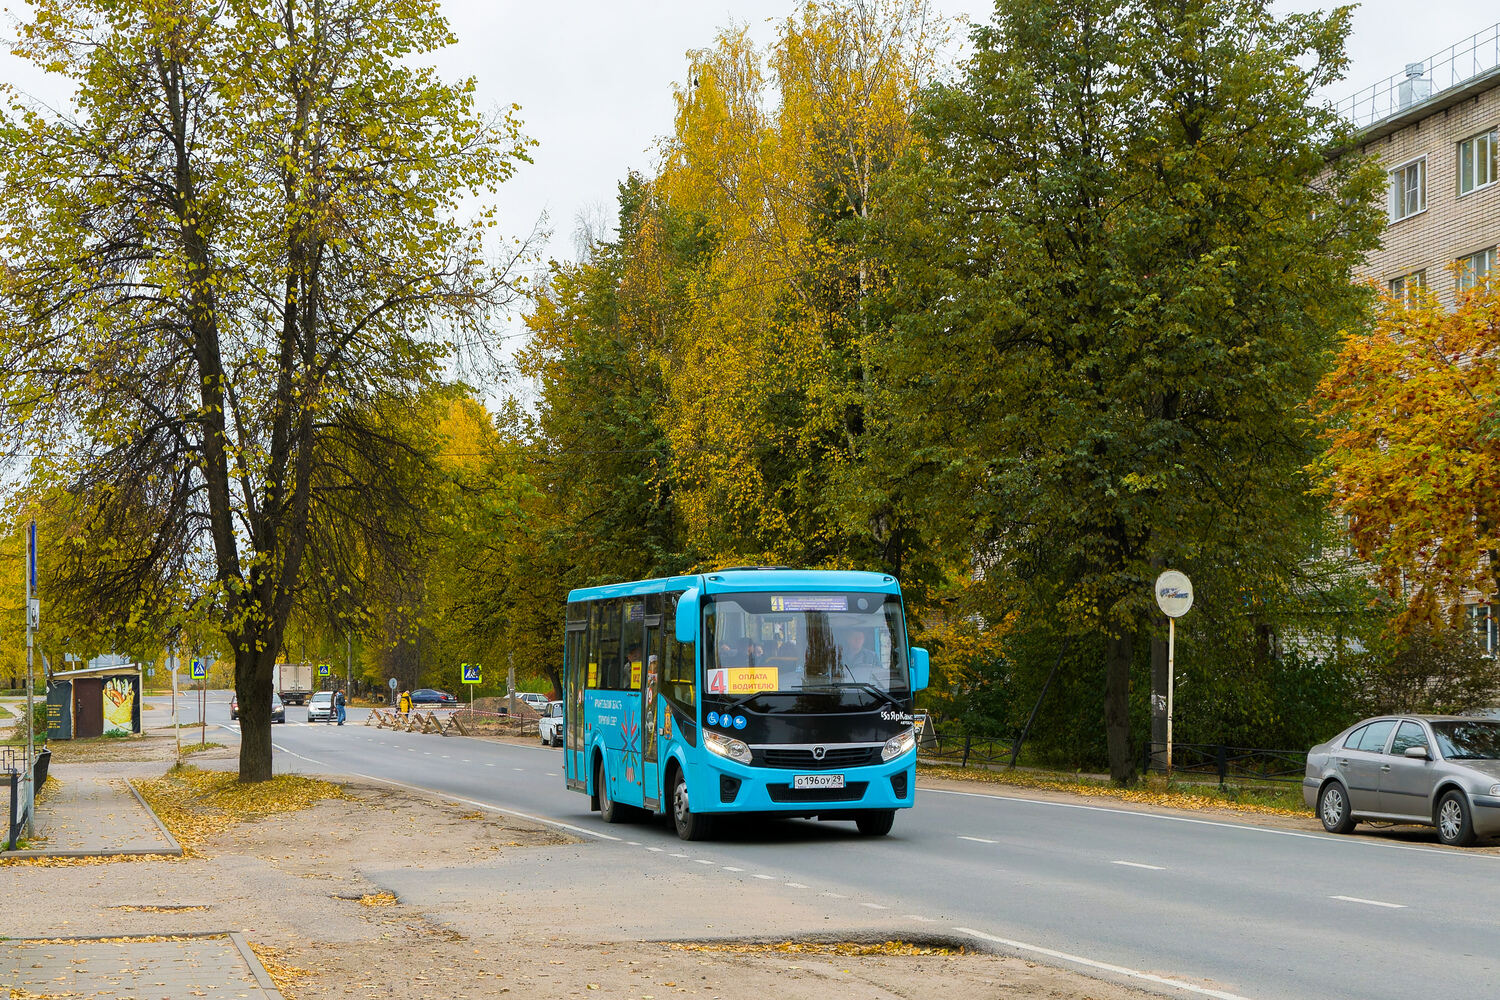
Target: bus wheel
(875,822)
(690,825)
(609,810)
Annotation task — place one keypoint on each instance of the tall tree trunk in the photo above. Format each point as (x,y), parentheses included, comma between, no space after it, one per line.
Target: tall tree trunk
(1117,660)
(252,683)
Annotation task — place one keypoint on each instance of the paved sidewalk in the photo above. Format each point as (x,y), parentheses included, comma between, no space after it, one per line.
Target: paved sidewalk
(88,816)
(219,965)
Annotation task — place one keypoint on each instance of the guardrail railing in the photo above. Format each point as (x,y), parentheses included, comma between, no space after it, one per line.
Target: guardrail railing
(1440,71)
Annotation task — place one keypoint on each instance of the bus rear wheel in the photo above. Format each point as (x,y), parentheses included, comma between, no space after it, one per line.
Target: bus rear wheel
(875,822)
(690,825)
(609,810)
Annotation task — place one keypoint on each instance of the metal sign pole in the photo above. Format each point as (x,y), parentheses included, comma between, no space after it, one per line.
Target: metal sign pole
(176,728)
(1171,683)
(31,621)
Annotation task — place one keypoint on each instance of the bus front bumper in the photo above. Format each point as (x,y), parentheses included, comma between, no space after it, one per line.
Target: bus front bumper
(719,785)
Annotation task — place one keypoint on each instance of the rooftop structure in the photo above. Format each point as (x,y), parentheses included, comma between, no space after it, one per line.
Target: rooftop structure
(1423,86)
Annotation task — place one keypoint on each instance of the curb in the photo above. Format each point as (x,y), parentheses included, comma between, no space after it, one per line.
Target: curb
(176,848)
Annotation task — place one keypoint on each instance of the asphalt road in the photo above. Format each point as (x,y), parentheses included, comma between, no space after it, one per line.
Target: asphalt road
(1183,906)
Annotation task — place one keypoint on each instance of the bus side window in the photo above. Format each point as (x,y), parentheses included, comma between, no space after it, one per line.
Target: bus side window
(604,645)
(680,676)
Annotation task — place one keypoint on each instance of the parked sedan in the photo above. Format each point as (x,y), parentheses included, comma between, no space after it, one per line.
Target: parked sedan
(535,699)
(278,710)
(550,725)
(1438,770)
(431,696)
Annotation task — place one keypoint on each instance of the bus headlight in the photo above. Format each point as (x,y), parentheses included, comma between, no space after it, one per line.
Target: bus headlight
(898,745)
(727,746)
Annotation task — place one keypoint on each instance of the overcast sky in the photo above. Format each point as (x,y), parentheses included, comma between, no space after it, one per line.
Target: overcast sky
(594,77)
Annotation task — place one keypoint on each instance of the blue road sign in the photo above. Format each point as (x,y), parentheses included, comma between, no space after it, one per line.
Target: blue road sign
(322,670)
(200,669)
(471,672)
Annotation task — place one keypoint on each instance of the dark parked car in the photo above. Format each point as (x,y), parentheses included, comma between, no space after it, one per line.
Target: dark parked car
(432,696)
(278,710)
(1438,770)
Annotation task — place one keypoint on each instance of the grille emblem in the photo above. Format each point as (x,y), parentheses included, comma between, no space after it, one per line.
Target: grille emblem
(818,753)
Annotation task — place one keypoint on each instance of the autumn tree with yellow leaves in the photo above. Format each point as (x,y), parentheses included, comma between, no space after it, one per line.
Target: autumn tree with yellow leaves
(224,271)
(1412,433)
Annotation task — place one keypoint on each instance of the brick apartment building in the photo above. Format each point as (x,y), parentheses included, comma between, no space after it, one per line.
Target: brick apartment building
(1435,128)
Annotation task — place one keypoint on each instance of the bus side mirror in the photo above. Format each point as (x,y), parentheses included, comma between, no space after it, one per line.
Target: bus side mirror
(687,615)
(919,668)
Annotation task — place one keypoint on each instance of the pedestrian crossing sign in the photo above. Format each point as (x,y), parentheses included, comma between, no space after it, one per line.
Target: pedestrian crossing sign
(471,673)
(200,669)
(322,670)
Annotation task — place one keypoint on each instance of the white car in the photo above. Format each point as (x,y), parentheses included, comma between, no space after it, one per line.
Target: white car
(551,724)
(535,700)
(320,708)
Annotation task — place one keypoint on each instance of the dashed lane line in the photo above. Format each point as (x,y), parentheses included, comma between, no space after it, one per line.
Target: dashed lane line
(794,885)
(875,906)
(1137,864)
(978,840)
(1370,902)
(1089,963)
(1165,818)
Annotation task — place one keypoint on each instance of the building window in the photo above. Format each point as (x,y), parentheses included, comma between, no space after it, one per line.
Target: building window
(1483,626)
(1476,268)
(1478,161)
(1404,288)
(1409,189)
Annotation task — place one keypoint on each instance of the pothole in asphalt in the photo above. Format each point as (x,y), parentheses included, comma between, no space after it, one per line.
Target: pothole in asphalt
(370,898)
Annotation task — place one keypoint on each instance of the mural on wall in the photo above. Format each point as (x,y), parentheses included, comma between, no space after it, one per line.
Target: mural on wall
(119,706)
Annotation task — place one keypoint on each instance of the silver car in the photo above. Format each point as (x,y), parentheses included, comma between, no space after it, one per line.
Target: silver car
(1437,770)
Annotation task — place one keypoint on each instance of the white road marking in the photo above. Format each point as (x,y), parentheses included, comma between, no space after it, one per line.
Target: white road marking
(834,895)
(553,774)
(559,824)
(656,850)
(518,769)
(1370,902)
(794,885)
(732,868)
(875,906)
(633,843)
(767,877)
(703,861)
(1089,963)
(918,916)
(489,765)
(1271,831)
(978,840)
(679,856)
(1137,864)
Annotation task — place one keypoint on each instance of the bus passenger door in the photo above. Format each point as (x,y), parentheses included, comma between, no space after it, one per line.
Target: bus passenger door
(650,684)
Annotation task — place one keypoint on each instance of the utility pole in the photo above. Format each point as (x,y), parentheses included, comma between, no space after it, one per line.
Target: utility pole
(33,618)
(348,668)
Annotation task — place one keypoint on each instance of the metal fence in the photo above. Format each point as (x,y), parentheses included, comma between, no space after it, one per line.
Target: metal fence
(1215,760)
(1226,762)
(1461,61)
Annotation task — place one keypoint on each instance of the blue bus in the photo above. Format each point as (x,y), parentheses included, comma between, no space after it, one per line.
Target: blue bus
(748,690)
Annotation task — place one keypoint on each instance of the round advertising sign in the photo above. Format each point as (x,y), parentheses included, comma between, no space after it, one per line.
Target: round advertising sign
(1174,593)
(392,683)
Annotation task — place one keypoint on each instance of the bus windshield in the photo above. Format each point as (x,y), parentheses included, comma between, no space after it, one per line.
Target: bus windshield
(797,642)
